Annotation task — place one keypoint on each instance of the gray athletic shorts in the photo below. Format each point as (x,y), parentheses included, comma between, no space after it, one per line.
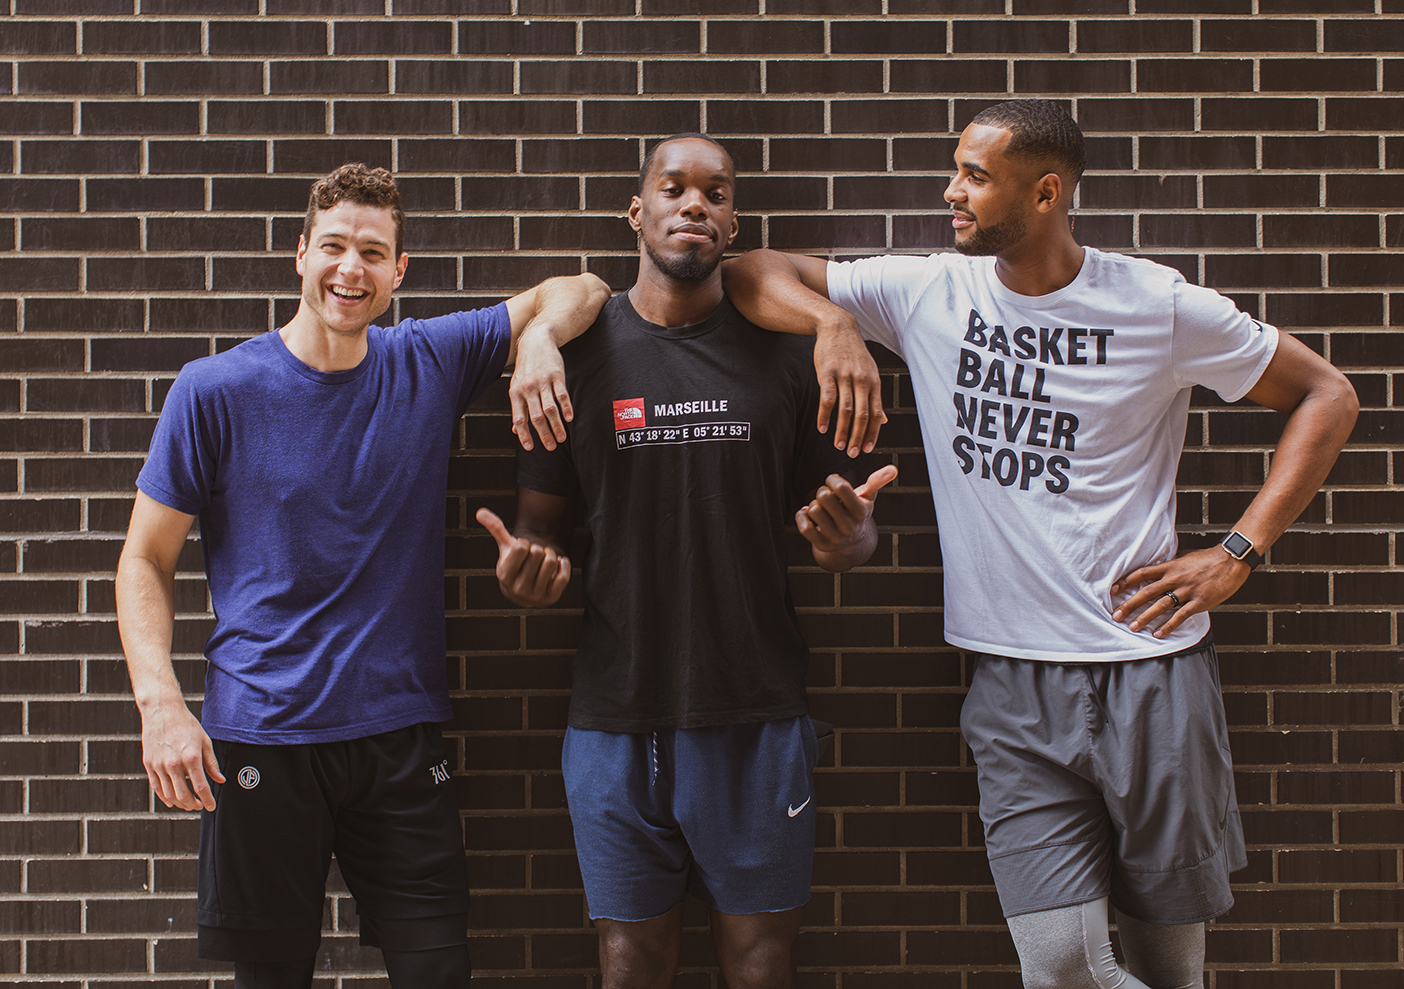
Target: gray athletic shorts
(1106,779)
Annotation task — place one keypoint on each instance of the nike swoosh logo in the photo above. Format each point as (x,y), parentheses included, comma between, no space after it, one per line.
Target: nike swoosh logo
(795,810)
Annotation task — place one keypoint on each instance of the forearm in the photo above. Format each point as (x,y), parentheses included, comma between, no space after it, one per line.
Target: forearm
(146,622)
(564,308)
(853,553)
(1316,431)
(767,288)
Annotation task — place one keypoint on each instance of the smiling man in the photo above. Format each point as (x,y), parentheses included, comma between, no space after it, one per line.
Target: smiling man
(316,458)
(688,757)
(1053,385)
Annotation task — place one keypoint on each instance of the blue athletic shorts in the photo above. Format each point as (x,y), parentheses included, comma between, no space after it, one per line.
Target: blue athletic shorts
(724,813)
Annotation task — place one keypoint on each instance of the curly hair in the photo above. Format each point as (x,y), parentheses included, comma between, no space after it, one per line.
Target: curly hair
(1041,131)
(355,182)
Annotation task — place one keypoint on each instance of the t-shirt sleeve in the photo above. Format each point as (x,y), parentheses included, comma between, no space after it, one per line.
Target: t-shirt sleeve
(880,292)
(471,347)
(181,466)
(548,471)
(1217,345)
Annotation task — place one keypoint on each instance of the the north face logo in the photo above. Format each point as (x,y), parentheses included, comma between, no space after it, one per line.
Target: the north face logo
(629,414)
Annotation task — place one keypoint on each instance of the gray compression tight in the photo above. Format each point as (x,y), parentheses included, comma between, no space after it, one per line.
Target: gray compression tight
(1070,948)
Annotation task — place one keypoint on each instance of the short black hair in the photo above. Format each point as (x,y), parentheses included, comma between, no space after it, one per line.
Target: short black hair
(648,158)
(1040,131)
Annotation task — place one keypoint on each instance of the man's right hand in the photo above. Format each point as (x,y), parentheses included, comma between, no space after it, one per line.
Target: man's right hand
(848,380)
(178,756)
(530,574)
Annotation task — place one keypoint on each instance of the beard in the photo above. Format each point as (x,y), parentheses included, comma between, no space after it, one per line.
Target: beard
(691,267)
(986,241)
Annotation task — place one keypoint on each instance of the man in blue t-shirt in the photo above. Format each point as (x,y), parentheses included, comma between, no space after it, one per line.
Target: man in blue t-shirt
(316,458)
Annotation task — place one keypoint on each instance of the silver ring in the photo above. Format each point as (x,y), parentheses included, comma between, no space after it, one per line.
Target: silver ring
(1172,597)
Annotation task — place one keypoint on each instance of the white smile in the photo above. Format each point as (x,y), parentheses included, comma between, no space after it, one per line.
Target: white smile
(351,294)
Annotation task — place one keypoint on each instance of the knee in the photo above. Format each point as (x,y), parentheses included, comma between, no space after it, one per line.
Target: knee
(1058,963)
(628,961)
(767,963)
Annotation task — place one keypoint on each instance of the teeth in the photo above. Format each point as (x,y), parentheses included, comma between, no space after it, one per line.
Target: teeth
(346,293)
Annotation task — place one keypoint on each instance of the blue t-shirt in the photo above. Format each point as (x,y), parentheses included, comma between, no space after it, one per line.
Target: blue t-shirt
(321,504)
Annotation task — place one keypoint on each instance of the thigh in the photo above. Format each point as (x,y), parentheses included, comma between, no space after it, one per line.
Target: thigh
(1169,788)
(633,857)
(1047,833)
(264,853)
(745,801)
(399,840)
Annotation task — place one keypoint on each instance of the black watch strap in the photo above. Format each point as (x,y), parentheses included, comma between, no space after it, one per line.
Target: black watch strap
(1240,547)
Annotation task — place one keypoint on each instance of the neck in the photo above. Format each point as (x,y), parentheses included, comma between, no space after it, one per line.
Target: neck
(665,301)
(319,346)
(1041,264)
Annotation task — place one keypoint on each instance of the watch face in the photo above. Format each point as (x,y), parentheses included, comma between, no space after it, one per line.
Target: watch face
(1238,546)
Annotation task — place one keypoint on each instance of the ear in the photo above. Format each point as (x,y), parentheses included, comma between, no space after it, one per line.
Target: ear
(635,205)
(735,229)
(400,267)
(301,255)
(1048,192)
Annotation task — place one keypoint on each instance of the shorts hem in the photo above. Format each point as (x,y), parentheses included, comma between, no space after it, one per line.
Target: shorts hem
(609,914)
(1076,901)
(414,933)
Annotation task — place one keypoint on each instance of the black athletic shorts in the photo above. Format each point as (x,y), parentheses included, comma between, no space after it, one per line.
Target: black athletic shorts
(384,804)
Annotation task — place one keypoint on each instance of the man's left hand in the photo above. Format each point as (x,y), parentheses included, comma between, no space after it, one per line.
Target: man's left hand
(1185,586)
(538,390)
(838,512)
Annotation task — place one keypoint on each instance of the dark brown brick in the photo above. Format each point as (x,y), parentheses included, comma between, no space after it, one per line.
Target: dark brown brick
(945,76)
(328,76)
(1255,113)
(631,117)
(268,38)
(1113,191)
(825,76)
(386,37)
(1257,35)
(185,78)
(578,77)
(206,157)
(39,38)
(827,154)
(1347,113)
(98,78)
(701,77)
(128,38)
(64,955)
(1138,37)
(764,116)
(586,154)
(247,117)
(1092,76)
(761,37)
(883,38)
(1198,75)
(1020,37)
(626,38)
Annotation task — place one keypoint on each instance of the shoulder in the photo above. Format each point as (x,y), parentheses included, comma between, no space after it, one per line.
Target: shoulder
(487,322)
(1121,272)
(242,365)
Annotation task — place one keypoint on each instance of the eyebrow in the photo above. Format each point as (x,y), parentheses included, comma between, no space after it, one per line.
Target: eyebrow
(345,235)
(970,166)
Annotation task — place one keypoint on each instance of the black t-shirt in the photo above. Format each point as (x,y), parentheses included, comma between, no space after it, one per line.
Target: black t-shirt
(692,448)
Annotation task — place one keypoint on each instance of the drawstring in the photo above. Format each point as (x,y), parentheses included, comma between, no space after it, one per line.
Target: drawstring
(653,776)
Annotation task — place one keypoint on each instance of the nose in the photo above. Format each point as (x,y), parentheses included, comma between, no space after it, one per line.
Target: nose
(351,262)
(693,204)
(954,191)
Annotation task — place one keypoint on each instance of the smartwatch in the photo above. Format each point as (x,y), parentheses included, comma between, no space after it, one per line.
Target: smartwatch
(1240,547)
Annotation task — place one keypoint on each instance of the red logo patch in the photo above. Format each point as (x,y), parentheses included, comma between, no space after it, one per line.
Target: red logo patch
(629,413)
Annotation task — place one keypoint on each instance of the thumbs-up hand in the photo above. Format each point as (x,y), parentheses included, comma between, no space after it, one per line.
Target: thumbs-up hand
(839,512)
(530,574)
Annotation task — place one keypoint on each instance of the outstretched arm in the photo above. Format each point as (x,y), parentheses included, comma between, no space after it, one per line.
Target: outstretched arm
(174,748)
(532,568)
(789,293)
(543,319)
(838,521)
(1321,407)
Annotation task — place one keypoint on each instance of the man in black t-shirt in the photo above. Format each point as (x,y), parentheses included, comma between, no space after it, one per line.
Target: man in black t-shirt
(688,757)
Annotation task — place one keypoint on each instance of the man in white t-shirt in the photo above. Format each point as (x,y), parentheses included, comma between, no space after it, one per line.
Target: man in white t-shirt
(1053,386)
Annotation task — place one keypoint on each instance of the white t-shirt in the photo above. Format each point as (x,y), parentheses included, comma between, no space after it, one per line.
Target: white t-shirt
(1053,427)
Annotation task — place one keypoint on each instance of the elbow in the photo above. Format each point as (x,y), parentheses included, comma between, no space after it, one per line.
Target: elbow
(596,286)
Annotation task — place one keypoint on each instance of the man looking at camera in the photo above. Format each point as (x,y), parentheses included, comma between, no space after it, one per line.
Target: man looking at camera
(316,458)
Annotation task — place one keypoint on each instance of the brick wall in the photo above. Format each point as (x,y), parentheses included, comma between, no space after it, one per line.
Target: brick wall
(156,156)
